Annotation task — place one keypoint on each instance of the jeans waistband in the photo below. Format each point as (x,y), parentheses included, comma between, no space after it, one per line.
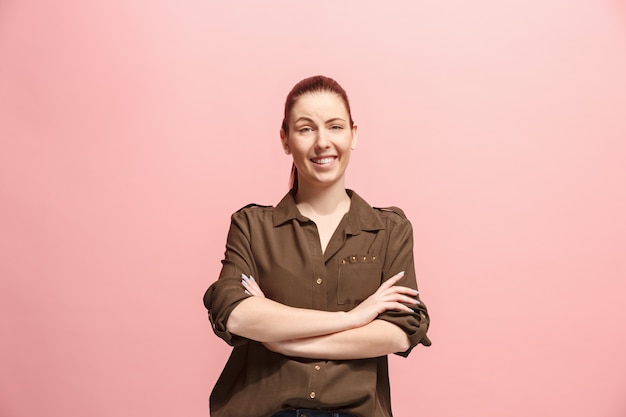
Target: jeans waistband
(311,413)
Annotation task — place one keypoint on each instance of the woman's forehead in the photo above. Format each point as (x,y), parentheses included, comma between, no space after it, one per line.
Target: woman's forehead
(322,103)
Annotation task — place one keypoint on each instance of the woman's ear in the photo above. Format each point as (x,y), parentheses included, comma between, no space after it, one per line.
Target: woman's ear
(283,141)
(354,139)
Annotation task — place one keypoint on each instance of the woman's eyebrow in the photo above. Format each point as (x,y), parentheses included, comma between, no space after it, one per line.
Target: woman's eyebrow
(308,119)
(304,118)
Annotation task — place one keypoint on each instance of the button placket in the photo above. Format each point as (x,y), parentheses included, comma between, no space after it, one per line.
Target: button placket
(316,381)
(318,269)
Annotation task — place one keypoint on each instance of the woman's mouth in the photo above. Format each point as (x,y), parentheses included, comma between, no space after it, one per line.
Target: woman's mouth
(323,160)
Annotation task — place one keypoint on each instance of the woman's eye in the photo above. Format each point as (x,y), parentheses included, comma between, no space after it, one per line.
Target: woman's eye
(336,127)
(305,129)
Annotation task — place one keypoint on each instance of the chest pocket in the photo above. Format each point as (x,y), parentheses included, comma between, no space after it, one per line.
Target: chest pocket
(359,277)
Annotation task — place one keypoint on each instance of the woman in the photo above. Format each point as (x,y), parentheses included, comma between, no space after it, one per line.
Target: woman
(315,292)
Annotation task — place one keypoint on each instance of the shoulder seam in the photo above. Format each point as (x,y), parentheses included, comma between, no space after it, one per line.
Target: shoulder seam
(392,209)
(252,205)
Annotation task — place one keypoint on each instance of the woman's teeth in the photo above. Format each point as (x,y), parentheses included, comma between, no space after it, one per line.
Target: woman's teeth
(323,161)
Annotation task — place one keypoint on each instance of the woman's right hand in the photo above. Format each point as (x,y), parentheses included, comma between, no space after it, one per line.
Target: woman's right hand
(251,286)
(387,297)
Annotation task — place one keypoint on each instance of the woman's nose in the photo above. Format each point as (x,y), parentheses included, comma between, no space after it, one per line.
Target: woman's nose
(323,139)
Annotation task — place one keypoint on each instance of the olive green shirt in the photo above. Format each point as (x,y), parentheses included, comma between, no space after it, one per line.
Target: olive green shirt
(281,249)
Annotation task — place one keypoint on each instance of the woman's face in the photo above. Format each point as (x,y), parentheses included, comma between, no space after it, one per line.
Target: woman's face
(320,138)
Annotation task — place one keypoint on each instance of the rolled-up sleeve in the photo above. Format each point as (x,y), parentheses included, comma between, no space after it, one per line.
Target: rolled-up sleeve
(227,292)
(400,258)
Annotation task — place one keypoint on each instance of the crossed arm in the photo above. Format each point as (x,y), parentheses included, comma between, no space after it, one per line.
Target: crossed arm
(316,334)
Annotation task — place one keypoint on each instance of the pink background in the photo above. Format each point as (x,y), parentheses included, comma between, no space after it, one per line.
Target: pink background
(131,130)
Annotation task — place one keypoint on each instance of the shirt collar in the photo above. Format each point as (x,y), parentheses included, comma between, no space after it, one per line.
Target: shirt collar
(361,215)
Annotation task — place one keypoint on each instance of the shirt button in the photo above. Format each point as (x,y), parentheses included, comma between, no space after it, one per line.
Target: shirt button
(354,258)
(312,394)
(319,281)
(317,367)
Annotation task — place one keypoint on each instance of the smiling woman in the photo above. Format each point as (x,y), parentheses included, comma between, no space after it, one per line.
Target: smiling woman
(315,292)
(306,90)
(321,139)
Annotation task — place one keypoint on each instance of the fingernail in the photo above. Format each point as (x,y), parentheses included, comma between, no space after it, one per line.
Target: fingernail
(243,276)
(417,302)
(401,273)
(251,277)
(416,292)
(246,291)
(411,309)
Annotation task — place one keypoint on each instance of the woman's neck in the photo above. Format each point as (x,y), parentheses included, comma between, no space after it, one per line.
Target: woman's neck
(313,202)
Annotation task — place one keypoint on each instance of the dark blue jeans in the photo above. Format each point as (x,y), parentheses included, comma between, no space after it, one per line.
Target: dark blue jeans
(311,413)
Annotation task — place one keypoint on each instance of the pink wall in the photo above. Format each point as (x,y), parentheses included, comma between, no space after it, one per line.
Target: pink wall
(131,130)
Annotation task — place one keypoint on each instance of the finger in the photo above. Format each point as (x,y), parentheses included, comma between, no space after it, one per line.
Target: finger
(405,301)
(253,284)
(408,300)
(407,296)
(249,285)
(398,289)
(248,288)
(400,307)
(247,281)
(391,281)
